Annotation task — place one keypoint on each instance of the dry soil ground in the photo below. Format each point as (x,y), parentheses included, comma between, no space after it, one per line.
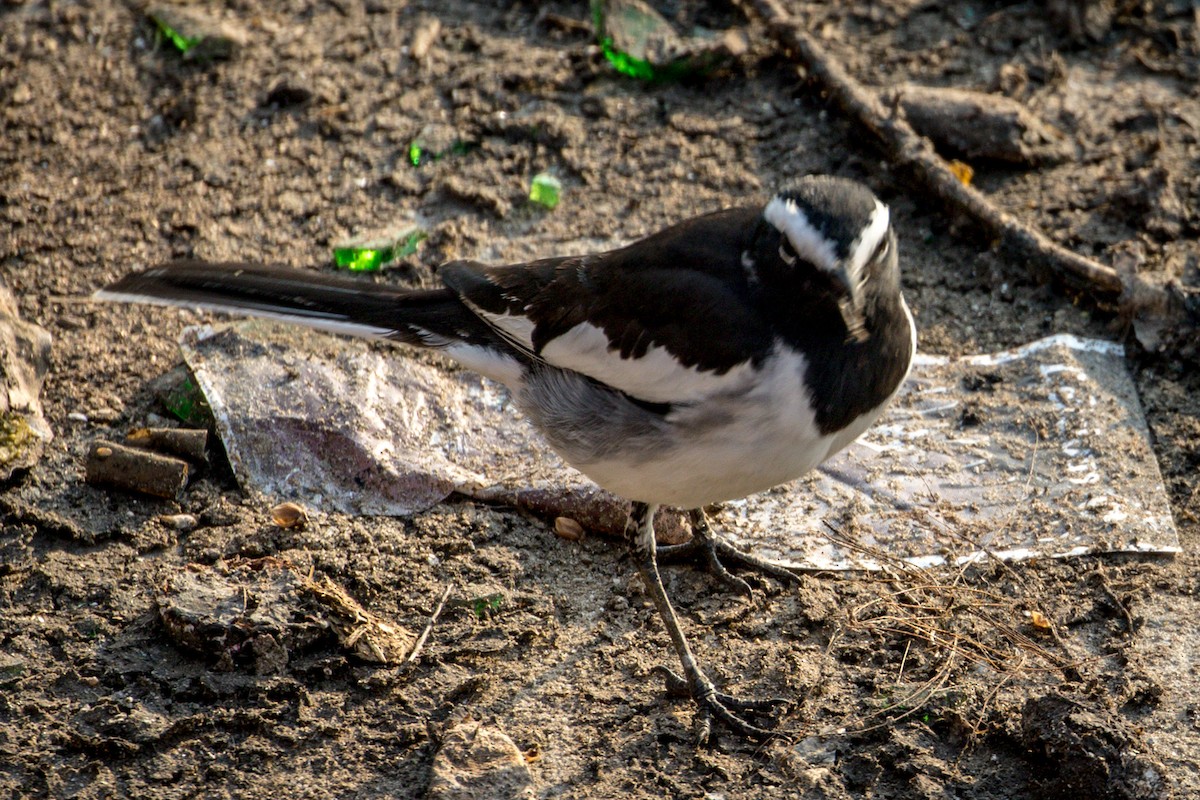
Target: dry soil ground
(117,154)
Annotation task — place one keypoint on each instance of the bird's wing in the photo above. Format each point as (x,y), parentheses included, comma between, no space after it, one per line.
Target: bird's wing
(630,318)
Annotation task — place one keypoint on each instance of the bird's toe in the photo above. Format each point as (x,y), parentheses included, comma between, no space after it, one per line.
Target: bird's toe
(730,711)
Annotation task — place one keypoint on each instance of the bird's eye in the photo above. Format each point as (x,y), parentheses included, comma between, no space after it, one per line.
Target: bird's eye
(786,252)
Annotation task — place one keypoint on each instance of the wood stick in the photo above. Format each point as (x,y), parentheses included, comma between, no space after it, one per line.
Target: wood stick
(912,151)
(437,612)
(128,468)
(186,443)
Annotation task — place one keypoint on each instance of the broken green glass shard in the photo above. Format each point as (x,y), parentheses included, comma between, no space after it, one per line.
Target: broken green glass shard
(435,142)
(421,153)
(362,258)
(369,253)
(197,36)
(641,43)
(181,41)
(545,190)
(487,605)
(185,400)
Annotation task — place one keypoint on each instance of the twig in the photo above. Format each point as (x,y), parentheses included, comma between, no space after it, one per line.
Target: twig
(910,150)
(914,701)
(428,626)
(1101,578)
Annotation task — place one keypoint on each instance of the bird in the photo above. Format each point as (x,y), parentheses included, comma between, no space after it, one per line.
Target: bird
(722,356)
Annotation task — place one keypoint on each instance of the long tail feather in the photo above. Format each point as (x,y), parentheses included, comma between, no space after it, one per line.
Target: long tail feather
(343,305)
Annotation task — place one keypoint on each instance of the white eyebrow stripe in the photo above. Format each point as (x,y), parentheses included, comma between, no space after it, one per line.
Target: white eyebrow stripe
(809,243)
(865,245)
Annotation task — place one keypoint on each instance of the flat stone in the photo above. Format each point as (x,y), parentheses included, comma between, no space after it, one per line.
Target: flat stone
(479,762)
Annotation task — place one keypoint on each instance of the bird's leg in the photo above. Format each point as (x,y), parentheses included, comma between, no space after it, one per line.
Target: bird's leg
(693,682)
(715,552)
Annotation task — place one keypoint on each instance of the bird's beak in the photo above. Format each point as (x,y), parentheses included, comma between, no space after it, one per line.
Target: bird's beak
(850,304)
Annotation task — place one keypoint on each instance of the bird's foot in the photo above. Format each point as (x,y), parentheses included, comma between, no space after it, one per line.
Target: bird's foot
(716,553)
(736,713)
(725,708)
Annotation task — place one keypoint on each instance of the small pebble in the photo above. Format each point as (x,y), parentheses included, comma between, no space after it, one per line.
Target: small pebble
(617,604)
(568,529)
(179,522)
(289,515)
(104,414)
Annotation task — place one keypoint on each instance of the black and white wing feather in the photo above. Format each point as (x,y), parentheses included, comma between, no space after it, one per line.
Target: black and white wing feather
(671,319)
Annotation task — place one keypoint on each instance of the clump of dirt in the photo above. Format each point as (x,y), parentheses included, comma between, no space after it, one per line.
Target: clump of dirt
(1088,752)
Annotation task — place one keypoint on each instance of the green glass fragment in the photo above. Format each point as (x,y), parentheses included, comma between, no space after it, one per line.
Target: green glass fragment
(187,402)
(487,605)
(627,64)
(197,36)
(362,259)
(421,152)
(369,254)
(182,42)
(640,43)
(545,190)
(409,245)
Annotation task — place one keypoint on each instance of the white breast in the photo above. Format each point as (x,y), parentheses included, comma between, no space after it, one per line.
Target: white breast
(725,448)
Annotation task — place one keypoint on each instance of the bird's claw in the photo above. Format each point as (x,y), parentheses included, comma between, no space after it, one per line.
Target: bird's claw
(706,548)
(716,552)
(723,707)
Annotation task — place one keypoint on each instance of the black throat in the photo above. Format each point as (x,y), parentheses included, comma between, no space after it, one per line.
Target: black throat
(848,378)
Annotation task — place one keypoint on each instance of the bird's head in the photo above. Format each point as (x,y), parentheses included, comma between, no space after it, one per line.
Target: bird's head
(832,234)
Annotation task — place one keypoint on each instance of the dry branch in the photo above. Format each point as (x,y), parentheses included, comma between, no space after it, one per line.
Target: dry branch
(911,151)
(130,469)
(189,443)
(437,612)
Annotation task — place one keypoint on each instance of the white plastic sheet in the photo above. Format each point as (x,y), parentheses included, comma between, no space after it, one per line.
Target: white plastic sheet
(1039,451)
